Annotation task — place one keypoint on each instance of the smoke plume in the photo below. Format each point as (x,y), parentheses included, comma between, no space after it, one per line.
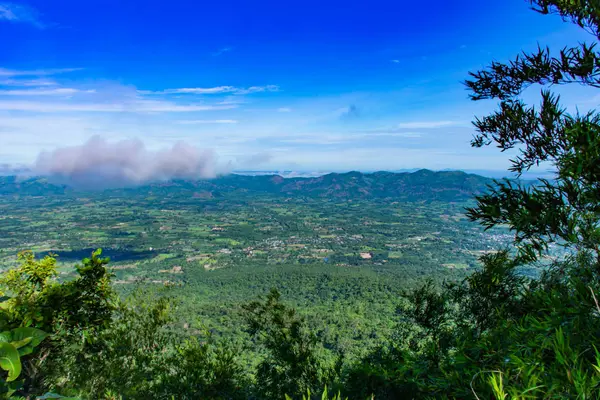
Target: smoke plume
(98,163)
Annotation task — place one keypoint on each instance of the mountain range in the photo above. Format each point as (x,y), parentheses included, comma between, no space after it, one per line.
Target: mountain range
(418,185)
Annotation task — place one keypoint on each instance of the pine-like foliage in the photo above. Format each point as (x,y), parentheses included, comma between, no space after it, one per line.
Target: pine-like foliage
(498,334)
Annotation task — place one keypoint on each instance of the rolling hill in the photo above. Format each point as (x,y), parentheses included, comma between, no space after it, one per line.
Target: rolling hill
(419,185)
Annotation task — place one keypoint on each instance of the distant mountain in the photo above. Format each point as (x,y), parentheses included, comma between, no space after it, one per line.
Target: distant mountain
(422,184)
(12,185)
(419,185)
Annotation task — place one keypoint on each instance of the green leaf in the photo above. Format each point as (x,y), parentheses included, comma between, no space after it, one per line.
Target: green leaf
(26,350)
(5,337)
(10,361)
(20,343)
(36,335)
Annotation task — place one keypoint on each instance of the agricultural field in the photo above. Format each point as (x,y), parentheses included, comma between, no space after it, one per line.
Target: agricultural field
(343,263)
(147,239)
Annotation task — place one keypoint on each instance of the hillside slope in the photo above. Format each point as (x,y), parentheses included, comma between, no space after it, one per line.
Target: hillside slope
(419,185)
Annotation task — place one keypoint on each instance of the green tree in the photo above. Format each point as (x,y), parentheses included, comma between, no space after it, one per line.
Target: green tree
(37,299)
(25,289)
(293,363)
(140,356)
(563,211)
(566,208)
(35,302)
(509,336)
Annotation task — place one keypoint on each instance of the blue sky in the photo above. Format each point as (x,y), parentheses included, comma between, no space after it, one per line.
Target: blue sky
(264,85)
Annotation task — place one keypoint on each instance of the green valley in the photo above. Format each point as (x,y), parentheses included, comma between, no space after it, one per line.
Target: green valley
(342,260)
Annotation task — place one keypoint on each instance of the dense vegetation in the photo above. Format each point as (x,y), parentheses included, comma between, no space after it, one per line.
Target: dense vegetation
(497,334)
(419,185)
(342,263)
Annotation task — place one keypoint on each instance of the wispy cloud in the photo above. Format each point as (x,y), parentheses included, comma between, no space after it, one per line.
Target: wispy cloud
(208,90)
(36,72)
(216,90)
(337,139)
(28,82)
(254,160)
(44,92)
(395,134)
(207,121)
(222,51)
(233,100)
(13,12)
(426,124)
(41,108)
(258,89)
(395,61)
(140,106)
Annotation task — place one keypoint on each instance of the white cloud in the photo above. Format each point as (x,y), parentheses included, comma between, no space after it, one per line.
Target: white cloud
(315,139)
(19,13)
(395,61)
(210,90)
(395,134)
(233,100)
(44,92)
(258,89)
(7,13)
(425,124)
(140,106)
(24,135)
(309,136)
(36,72)
(207,121)
(100,162)
(253,160)
(28,82)
(215,90)
(330,139)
